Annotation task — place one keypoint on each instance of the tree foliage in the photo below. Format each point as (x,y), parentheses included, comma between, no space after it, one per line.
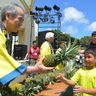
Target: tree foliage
(85,40)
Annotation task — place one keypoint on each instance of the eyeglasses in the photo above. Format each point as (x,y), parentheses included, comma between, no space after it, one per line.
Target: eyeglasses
(21,19)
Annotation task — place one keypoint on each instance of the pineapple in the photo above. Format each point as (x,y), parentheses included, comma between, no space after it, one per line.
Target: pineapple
(69,52)
(52,60)
(70,68)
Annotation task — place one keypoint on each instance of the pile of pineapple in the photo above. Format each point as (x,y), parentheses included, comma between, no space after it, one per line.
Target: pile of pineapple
(68,53)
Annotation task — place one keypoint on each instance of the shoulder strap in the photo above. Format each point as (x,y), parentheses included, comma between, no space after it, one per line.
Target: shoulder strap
(9,40)
(2,27)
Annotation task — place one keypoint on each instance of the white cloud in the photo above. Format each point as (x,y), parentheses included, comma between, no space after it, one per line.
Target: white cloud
(49,29)
(72,14)
(71,30)
(92,26)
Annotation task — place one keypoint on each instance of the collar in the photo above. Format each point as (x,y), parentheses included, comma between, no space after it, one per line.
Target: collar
(2,26)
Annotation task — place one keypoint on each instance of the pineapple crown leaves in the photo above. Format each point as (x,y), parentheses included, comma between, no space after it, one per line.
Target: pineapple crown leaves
(71,45)
(70,66)
(70,51)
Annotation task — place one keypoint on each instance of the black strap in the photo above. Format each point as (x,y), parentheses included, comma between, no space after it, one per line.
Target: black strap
(9,40)
(2,27)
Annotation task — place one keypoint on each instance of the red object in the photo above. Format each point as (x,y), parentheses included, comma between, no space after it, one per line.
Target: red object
(34,53)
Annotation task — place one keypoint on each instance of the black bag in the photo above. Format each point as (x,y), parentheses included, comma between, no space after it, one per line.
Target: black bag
(67,92)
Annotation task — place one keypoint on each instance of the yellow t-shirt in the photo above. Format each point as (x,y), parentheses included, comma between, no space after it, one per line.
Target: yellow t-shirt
(60,65)
(45,49)
(9,67)
(85,78)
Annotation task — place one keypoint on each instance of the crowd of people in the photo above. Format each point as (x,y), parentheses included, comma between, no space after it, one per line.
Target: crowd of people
(84,80)
(45,49)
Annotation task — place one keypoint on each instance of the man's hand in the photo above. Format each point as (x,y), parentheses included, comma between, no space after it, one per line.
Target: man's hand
(42,68)
(38,68)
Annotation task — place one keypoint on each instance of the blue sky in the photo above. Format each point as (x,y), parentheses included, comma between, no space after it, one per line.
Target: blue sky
(78,16)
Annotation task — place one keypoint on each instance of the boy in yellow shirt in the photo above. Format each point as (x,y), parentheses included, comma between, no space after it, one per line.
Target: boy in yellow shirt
(84,80)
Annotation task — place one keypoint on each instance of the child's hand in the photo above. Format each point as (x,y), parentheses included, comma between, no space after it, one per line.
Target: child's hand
(78,89)
(60,77)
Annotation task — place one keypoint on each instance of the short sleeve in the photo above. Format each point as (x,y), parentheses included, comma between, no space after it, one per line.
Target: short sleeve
(76,77)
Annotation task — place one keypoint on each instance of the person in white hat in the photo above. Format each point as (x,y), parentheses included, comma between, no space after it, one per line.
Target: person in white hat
(46,47)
